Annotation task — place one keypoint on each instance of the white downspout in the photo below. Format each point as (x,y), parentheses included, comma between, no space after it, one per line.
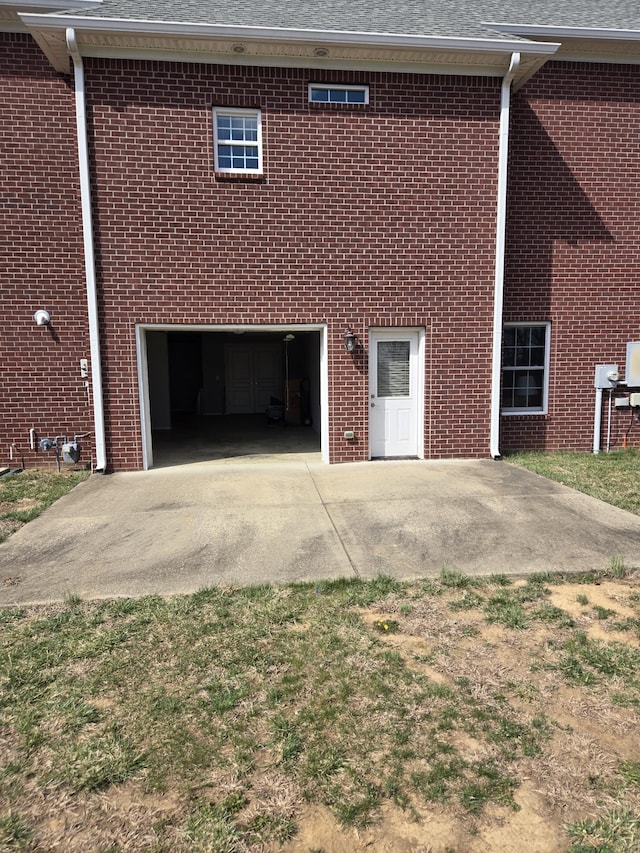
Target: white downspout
(501,219)
(89,252)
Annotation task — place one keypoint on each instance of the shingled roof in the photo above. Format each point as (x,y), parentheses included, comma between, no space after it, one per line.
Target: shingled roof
(445,18)
(440,36)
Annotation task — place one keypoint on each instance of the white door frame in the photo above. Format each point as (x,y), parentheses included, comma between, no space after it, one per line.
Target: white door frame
(380,332)
(281,328)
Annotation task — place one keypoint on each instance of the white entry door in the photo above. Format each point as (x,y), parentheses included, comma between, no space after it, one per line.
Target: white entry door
(394,401)
(253,377)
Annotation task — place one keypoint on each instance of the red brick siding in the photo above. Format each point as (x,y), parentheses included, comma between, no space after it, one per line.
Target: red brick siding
(573,252)
(42,261)
(374,216)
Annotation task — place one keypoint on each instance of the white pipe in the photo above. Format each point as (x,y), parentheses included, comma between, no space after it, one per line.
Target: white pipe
(609,422)
(89,251)
(597,420)
(501,219)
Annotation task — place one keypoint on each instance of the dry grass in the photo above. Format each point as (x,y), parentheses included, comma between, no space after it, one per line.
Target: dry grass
(290,719)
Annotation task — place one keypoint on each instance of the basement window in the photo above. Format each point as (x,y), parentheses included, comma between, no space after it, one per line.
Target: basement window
(525,368)
(321,93)
(237,141)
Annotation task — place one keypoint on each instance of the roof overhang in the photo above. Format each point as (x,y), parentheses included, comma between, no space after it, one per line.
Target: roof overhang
(218,43)
(580,44)
(10,11)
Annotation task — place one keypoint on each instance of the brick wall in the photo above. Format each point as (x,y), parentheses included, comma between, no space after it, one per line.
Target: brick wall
(573,249)
(366,216)
(42,261)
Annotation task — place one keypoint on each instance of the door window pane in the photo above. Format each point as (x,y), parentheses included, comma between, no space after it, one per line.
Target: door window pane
(393,369)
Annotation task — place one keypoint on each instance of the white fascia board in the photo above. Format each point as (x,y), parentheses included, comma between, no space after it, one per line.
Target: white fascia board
(169,28)
(539,31)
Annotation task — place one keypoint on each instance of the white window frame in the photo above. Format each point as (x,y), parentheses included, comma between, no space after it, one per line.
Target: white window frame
(532,410)
(338,87)
(232,111)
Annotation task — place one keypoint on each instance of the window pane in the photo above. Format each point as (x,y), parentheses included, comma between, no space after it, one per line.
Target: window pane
(538,335)
(509,337)
(356,96)
(224,156)
(522,389)
(507,389)
(393,369)
(320,95)
(224,127)
(537,357)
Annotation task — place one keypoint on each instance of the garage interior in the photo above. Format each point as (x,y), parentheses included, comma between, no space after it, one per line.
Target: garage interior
(217,395)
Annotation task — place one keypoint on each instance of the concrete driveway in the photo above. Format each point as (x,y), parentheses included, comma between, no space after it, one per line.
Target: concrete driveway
(179,529)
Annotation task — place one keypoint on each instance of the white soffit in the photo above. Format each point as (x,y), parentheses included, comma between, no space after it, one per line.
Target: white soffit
(261,46)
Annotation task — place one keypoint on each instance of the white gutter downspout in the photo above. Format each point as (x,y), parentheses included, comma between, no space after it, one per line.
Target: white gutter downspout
(89,252)
(498,297)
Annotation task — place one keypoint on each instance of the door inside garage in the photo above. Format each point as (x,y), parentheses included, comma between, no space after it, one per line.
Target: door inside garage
(241,394)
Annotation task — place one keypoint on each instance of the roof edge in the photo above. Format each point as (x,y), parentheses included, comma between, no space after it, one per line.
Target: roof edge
(551,31)
(34,21)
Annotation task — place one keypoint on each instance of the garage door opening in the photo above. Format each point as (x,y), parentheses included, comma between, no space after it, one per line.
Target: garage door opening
(242,394)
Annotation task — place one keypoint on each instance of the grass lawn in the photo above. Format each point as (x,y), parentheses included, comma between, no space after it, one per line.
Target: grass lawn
(25,495)
(455,714)
(611,477)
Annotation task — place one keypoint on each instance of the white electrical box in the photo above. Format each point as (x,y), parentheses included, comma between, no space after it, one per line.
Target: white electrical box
(634,400)
(606,376)
(632,373)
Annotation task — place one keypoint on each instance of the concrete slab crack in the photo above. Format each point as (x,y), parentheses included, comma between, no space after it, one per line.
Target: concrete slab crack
(333,524)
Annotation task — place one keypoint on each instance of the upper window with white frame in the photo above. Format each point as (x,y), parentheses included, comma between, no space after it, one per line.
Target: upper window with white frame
(329,93)
(525,368)
(237,135)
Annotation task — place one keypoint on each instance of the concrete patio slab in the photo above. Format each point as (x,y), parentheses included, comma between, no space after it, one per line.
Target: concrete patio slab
(179,529)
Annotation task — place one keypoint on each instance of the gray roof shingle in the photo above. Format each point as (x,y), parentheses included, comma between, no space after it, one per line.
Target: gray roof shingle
(449,18)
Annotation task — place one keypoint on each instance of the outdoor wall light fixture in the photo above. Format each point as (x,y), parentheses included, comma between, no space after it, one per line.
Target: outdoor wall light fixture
(350,340)
(42,318)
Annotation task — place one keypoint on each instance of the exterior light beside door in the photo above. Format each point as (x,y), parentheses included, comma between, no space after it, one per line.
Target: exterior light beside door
(350,340)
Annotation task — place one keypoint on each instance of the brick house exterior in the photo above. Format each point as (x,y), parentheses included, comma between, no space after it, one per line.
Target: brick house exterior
(377,217)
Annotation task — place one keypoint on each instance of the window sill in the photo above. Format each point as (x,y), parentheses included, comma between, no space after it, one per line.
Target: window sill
(523,413)
(239,177)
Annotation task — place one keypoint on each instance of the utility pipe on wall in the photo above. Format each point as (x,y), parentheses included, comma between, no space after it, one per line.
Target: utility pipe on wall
(89,251)
(597,421)
(501,219)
